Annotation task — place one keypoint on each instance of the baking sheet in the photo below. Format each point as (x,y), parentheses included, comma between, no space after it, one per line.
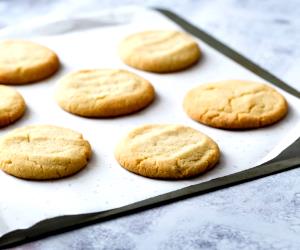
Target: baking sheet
(104,184)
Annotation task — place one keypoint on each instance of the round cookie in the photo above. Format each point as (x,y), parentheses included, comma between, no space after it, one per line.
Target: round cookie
(167,151)
(43,152)
(12,105)
(235,104)
(159,51)
(103,93)
(25,62)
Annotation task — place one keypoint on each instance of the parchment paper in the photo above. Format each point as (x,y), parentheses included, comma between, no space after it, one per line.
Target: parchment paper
(91,41)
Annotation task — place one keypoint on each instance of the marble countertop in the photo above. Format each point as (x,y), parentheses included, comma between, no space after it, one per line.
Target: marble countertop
(262,214)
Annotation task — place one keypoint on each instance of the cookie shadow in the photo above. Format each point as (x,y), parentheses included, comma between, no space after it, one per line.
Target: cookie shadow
(141,111)
(81,173)
(20,121)
(53,77)
(92,165)
(197,65)
(198,177)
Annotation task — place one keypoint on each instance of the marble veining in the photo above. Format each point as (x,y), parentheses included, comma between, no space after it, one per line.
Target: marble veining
(263,214)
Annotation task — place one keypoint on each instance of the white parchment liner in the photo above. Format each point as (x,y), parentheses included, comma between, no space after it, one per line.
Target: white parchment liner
(91,41)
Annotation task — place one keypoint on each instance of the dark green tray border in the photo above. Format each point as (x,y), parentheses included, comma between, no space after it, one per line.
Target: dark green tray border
(66,223)
(227,51)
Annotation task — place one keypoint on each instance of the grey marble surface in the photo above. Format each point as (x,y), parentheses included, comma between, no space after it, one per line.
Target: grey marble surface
(263,214)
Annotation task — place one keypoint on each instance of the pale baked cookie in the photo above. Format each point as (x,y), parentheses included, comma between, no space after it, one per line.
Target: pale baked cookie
(103,93)
(235,104)
(159,51)
(167,151)
(43,152)
(12,105)
(25,62)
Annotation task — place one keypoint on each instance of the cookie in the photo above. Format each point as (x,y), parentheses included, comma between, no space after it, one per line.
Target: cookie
(159,51)
(12,105)
(235,104)
(167,151)
(25,62)
(43,152)
(103,93)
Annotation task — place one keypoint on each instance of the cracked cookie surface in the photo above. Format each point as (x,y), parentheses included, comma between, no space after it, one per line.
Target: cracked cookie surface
(43,152)
(167,151)
(24,62)
(235,104)
(12,105)
(159,51)
(103,93)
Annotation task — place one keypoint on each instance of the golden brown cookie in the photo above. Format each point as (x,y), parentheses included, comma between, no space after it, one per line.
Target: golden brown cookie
(159,51)
(25,62)
(12,105)
(235,104)
(167,151)
(43,152)
(103,93)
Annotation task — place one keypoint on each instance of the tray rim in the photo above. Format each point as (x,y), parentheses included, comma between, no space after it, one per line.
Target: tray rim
(65,223)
